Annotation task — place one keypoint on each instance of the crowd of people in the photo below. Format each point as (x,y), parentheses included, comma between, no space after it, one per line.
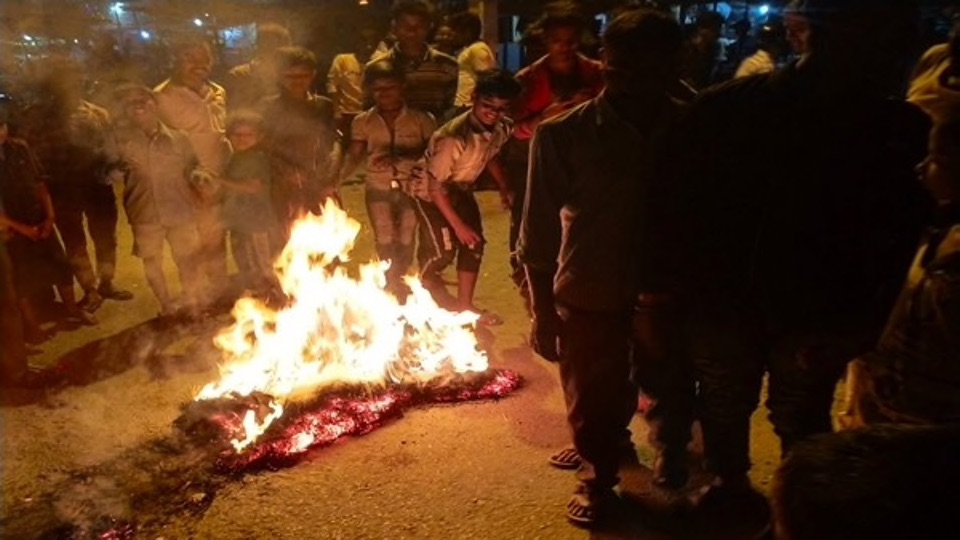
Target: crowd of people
(671,236)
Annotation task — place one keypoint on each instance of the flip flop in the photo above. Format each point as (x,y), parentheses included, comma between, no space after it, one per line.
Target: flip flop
(567,458)
(587,510)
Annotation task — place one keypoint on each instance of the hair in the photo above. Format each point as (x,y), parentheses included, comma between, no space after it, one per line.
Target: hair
(653,32)
(497,83)
(244,117)
(274,33)
(879,483)
(710,20)
(382,69)
(291,57)
(469,23)
(189,41)
(413,8)
(124,90)
(562,14)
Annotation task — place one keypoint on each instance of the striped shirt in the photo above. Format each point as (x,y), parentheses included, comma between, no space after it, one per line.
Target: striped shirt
(431,81)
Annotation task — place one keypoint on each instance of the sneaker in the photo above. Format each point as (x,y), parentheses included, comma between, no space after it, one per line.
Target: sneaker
(107,290)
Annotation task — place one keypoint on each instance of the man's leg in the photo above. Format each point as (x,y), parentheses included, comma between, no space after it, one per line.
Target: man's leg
(380,213)
(600,397)
(469,258)
(185,247)
(102,217)
(728,356)
(148,246)
(212,253)
(69,208)
(804,372)
(13,356)
(438,244)
(665,375)
(406,223)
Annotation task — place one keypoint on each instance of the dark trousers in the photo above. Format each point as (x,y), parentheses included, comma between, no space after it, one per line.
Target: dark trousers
(13,358)
(438,243)
(732,351)
(599,359)
(98,204)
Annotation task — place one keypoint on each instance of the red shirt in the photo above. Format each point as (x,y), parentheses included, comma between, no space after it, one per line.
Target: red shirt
(539,99)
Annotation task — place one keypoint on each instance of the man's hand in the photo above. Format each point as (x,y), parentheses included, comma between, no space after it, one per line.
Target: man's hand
(468,237)
(544,333)
(506,199)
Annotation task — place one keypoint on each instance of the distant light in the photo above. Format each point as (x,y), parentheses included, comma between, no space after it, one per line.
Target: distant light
(27,38)
(764,9)
(144,34)
(76,41)
(116,8)
(198,22)
(363,2)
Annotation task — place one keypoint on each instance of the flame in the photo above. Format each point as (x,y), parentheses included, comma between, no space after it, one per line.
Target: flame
(336,328)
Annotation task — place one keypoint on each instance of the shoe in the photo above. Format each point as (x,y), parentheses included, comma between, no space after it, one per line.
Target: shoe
(91,301)
(722,491)
(587,508)
(670,471)
(108,291)
(566,458)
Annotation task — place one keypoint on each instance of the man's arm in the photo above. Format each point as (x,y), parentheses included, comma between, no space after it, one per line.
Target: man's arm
(495,168)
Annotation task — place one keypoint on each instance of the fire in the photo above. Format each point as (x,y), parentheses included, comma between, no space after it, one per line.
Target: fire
(336,328)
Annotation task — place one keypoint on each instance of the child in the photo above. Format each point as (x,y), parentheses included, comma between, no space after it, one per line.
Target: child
(393,137)
(247,211)
(447,210)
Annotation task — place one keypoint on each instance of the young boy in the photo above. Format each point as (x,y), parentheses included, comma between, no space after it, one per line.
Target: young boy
(447,210)
(393,137)
(247,212)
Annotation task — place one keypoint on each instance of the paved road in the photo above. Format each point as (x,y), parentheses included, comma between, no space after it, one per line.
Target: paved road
(466,471)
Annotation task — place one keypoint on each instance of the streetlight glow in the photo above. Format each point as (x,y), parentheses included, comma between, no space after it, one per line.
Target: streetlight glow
(198,22)
(144,34)
(764,9)
(27,38)
(116,8)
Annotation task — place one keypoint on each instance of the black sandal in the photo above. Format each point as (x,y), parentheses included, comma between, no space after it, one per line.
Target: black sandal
(587,510)
(568,458)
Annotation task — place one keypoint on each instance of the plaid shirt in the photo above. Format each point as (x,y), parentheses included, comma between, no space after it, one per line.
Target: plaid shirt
(431,81)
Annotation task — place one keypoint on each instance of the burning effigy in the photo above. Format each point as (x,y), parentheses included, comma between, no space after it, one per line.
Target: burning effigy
(340,357)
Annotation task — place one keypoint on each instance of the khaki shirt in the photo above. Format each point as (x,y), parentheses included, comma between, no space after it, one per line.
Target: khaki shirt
(392,154)
(202,116)
(474,59)
(345,82)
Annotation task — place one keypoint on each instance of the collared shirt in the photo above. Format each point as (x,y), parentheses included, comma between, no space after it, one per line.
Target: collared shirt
(927,90)
(392,153)
(201,115)
(248,83)
(345,82)
(589,169)
(758,62)
(431,81)
(75,148)
(300,138)
(459,151)
(158,188)
(540,92)
(473,59)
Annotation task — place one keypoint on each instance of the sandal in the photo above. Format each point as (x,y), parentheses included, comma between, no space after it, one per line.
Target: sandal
(567,458)
(586,509)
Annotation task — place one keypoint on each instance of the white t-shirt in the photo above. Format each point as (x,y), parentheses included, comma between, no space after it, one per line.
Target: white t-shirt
(473,59)
(345,83)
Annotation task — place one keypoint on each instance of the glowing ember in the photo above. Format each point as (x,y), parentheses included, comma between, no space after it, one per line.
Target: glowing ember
(336,329)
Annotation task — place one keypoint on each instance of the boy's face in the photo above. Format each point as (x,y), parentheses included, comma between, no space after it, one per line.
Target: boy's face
(244,137)
(562,42)
(193,65)
(411,31)
(387,94)
(140,109)
(297,80)
(489,110)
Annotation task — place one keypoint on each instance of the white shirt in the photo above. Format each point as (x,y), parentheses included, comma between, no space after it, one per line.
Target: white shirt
(392,153)
(345,84)
(201,115)
(473,59)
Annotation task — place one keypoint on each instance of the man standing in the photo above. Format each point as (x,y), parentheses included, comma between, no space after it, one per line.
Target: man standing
(190,102)
(807,215)
(248,83)
(475,56)
(431,75)
(345,80)
(300,138)
(75,143)
(582,242)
